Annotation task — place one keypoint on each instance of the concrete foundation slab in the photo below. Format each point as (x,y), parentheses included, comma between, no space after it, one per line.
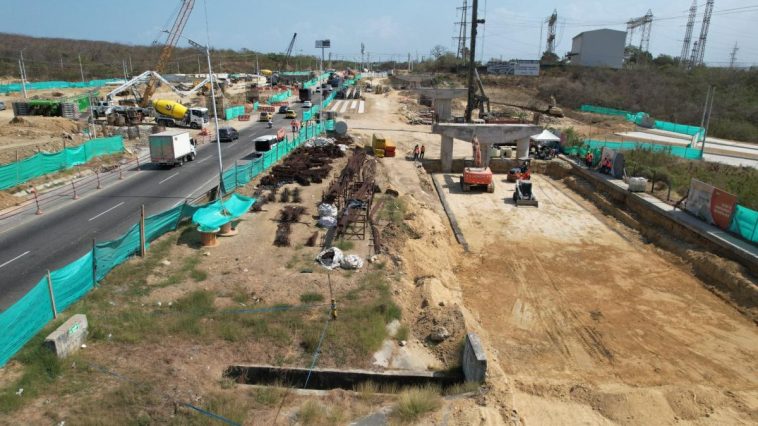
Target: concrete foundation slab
(474,359)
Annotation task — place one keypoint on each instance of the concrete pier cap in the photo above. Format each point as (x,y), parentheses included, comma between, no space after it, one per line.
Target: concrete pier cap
(487,134)
(442,98)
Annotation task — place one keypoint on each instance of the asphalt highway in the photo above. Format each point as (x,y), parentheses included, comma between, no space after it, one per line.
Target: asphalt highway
(34,244)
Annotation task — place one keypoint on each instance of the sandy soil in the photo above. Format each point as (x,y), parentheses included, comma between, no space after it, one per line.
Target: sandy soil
(591,324)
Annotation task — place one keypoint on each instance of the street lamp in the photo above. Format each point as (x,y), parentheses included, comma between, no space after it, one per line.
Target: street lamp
(215,113)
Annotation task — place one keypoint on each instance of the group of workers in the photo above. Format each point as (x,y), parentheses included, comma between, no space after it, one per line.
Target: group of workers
(606,165)
(418,152)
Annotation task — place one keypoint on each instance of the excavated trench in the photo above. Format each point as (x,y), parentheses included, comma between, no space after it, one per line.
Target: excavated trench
(325,379)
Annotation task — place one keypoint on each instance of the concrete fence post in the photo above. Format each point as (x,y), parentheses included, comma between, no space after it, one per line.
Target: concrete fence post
(52,295)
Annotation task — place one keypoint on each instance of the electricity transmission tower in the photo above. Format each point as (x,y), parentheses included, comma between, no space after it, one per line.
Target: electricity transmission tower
(698,51)
(733,55)
(688,34)
(645,24)
(551,24)
(460,52)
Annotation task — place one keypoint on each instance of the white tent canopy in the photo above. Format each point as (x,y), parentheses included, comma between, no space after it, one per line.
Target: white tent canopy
(545,136)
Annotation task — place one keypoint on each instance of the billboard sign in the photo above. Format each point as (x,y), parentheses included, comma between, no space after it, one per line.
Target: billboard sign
(323,44)
(711,204)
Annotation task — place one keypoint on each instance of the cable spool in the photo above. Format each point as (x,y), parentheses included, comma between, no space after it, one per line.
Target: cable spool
(340,128)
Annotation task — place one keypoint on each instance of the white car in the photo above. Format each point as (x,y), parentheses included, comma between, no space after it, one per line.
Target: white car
(307,104)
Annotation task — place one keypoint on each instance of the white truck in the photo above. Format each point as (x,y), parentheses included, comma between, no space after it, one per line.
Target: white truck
(172,147)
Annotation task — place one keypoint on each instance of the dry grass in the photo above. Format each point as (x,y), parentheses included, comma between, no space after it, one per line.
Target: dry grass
(416,402)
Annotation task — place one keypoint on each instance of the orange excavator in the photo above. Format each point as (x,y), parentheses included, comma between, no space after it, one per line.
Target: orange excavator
(479,175)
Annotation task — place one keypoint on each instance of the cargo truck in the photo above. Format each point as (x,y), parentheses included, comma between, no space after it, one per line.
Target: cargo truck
(172,147)
(173,114)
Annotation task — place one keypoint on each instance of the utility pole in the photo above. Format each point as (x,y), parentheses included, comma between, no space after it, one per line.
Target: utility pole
(81,69)
(23,79)
(472,61)
(707,108)
(461,50)
(131,68)
(409,61)
(733,55)
(198,65)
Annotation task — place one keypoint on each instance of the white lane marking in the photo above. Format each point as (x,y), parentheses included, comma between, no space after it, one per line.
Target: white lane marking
(336,105)
(361,107)
(167,178)
(353,104)
(15,258)
(344,106)
(95,217)
(204,159)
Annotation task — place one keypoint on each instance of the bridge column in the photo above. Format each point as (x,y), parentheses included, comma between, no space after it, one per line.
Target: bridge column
(446,154)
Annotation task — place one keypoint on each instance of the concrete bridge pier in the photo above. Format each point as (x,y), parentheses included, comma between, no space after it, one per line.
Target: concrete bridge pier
(487,134)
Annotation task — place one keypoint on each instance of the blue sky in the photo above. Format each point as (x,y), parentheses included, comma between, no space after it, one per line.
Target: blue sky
(389,28)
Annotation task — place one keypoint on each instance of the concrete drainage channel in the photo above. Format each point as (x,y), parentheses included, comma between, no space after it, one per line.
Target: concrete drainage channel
(473,368)
(325,379)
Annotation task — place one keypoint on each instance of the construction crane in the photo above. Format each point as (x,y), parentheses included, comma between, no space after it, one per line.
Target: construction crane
(173,38)
(289,52)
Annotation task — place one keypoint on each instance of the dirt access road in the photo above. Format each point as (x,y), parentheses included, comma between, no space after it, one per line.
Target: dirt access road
(592,325)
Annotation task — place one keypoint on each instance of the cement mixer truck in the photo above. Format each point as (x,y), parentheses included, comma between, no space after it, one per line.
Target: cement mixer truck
(173,114)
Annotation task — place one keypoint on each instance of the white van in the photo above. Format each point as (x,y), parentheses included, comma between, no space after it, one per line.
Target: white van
(265,143)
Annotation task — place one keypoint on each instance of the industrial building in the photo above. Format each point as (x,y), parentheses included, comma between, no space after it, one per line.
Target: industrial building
(598,48)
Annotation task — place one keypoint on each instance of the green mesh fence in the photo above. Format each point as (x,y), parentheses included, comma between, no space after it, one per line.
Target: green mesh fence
(279,97)
(24,319)
(603,110)
(256,105)
(745,223)
(679,151)
(73,281)
(40,164)
(48,85)
(234,112)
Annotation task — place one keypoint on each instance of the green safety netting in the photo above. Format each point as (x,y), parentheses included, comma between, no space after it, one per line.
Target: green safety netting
(234,112)
(638,118)
(48,85)
(279,97)
(110,254)
(42,163)
(73,281)
(745,223)
(219,212)
(24,319)
(603,110)
(679,151)
(256,105)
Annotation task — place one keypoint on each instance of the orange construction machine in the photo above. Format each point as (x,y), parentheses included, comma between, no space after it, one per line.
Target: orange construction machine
(479,175)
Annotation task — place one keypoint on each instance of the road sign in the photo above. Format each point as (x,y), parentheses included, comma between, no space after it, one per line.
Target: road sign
(323,44)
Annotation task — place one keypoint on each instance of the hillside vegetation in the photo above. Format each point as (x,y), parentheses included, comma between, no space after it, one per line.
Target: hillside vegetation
(58,59)
(666,93)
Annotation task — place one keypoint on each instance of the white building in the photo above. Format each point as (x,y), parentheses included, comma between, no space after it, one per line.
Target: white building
(599,48)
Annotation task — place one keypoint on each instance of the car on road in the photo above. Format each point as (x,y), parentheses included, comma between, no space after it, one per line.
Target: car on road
(283,109)
(266,116)
(307,104)
(2,106)
(228,134)
(290,113)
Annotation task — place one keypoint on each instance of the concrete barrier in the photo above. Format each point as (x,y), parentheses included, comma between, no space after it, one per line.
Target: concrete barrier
(474,359)
(67,338)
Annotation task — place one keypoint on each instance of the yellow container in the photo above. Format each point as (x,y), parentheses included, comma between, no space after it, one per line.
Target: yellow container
(378,141)
(389,144)
(379,153)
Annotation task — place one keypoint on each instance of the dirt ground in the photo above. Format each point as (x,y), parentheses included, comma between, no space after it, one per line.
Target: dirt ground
(593,325)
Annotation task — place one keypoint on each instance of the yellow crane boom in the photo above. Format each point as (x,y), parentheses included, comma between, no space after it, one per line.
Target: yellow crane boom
(168,48)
